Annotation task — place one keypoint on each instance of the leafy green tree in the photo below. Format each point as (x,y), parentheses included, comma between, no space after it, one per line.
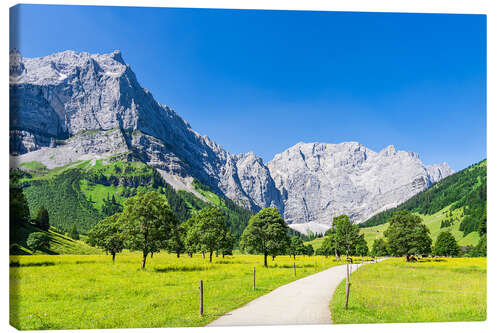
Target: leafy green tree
(190,237)
(147,223)
(175,243)
(74,233)
(296,247)
(309,250)
(407,235)
(107,235)
(42,218)
(446,245)
(345,235)
(326,249)
(227,244)
(332,245)
(38,241)
(208,228)
(362,246)
(266,233)
(379,248)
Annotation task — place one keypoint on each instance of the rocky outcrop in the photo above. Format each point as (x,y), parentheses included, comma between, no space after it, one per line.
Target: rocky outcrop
(55,99)
(318,181)
(73,106)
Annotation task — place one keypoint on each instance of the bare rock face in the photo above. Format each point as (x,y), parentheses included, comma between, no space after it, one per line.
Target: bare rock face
(73,106)
(55,99)
(255,178)
(318,181)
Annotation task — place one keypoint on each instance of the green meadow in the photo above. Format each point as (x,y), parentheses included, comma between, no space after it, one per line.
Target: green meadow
(88,291)
(441,289)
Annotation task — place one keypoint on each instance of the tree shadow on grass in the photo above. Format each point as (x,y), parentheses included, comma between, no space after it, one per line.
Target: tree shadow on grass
(228,262)
(78,262)
(181,269)
(297,265)
(31,264)
(424,260)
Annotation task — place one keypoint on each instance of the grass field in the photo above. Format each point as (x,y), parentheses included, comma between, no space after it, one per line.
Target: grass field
(395,291)
(72,291)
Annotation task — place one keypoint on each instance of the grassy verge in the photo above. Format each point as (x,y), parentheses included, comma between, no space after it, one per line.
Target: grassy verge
(395,291)
(77,292)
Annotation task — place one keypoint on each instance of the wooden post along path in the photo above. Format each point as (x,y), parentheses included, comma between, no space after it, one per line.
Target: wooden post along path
(201,297)
(254,278)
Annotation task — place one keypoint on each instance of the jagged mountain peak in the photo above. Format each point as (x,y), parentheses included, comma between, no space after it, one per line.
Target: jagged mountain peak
(117,56)
(389,150)
(76,105)
(66,65)
(321,180)
(61,96)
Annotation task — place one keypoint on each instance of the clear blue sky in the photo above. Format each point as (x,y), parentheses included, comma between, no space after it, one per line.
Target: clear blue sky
(262,81)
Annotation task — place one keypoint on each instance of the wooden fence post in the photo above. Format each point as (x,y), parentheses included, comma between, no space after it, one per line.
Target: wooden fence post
(254,278)
(302,267)
(294,271)
(347,285)
(201,297)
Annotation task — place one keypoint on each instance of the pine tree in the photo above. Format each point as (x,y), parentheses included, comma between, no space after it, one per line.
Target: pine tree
(42,218)
(446,245)
(74,233)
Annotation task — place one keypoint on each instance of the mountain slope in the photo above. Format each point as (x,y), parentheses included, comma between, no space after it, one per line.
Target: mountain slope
(84,192)
(319,181)
(465,189)
(69,107)
(70,103)
(435,224)
(59,244)
(456,204)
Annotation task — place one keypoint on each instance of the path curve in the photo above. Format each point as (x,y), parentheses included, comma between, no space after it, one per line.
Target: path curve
(304,301)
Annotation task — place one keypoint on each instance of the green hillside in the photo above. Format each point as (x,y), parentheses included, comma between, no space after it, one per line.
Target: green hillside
(433,222)
(465,190)
(456,204)
(59,244)
(84,192)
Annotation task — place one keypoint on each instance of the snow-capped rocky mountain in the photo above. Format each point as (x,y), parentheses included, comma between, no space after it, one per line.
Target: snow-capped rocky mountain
(73,106)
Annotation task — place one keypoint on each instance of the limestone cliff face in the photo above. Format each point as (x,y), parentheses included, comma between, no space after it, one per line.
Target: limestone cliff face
(74,106)
(318,181)
(56,99)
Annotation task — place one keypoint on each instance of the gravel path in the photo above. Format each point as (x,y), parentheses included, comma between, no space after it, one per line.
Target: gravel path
(305,301)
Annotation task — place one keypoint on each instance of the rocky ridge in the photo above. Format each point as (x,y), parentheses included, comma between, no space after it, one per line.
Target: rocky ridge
(73,106)
(319,180)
